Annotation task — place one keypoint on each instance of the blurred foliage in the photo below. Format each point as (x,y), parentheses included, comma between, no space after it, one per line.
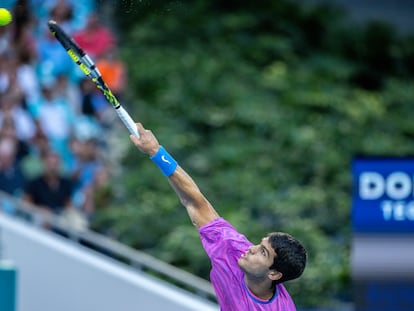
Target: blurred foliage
(265,104)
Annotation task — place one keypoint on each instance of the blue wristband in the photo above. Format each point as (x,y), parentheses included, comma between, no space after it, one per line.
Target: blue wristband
(164,161)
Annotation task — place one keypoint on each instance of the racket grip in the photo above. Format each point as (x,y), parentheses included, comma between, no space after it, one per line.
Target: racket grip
(127,120)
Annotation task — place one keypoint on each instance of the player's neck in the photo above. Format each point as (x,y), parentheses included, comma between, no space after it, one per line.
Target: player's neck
(261,289)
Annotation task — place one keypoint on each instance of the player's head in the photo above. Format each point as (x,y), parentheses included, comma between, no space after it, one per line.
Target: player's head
(279,257)
(291,256)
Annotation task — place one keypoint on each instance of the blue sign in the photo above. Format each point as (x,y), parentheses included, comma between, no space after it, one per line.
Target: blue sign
(384,295)
(383,195)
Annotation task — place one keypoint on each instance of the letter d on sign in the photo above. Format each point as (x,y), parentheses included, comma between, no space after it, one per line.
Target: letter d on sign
(371,186)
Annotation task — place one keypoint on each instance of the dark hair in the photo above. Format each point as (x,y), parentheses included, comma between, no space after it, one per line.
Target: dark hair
(290,257)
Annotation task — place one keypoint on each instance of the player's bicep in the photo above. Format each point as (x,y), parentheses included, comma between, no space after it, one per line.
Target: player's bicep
(198,207)
(201,212)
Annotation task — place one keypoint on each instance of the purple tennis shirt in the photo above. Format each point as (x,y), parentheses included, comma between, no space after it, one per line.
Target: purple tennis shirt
(224,245)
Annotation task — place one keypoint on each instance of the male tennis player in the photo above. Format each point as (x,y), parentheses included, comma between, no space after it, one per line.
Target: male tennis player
(245,277)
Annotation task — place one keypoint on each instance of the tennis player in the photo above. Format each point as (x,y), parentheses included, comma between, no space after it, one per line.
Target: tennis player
(245,277)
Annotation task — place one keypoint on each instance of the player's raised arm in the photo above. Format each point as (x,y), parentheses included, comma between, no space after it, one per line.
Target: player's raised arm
(199,209)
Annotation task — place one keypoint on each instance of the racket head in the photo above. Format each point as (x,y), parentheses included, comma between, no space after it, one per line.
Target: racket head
(67,42)
(74,51)
(87,65)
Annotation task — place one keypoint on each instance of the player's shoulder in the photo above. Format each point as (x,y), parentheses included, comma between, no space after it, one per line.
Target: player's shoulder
(218,226)
(220,230)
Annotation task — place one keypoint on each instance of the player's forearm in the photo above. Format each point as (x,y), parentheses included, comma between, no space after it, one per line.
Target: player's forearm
(198,207)
(186,189)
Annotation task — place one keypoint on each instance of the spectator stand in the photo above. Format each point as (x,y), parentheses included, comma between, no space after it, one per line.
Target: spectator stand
(46,102)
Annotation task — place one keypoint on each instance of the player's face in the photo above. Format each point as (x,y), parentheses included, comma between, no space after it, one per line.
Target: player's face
(257,259)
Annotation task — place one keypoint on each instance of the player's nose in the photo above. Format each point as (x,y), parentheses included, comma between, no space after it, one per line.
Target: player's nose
(252,249)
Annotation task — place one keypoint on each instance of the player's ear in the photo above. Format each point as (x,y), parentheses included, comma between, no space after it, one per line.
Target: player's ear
(275,275)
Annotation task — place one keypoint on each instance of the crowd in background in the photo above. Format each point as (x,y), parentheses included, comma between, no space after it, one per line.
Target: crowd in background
(52,118)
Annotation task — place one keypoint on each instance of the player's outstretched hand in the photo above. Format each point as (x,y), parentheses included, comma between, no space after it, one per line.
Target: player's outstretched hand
(147,143)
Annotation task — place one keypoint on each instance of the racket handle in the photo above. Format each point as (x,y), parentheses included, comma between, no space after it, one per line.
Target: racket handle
(127,120)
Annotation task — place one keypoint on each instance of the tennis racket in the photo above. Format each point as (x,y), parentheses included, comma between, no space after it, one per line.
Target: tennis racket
(87,65)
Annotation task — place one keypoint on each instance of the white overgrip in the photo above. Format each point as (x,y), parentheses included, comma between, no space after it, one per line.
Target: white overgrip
(127,120)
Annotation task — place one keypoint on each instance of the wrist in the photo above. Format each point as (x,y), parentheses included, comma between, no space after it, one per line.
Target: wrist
(165,162)
(153,152)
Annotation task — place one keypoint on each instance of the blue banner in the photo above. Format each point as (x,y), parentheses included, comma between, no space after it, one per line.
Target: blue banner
(384,295)
(383,195)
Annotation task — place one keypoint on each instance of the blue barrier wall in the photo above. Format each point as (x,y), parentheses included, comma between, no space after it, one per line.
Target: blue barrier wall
(8,276)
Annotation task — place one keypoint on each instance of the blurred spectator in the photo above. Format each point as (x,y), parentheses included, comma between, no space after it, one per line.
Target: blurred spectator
(86,128)
(95,38)
(62,13)
(69,91)
(4,73)
(24,124)
(5,38)
(8,130)
(101,192)
(9,73)
(46,103)
(56,120)
(93,103)
(44,11)
(12,180)
(23,25)
(51,192)
(32,162)
(26,76)
(88,166)
(83,9)
(22,16)
(113,71)
(52,59)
